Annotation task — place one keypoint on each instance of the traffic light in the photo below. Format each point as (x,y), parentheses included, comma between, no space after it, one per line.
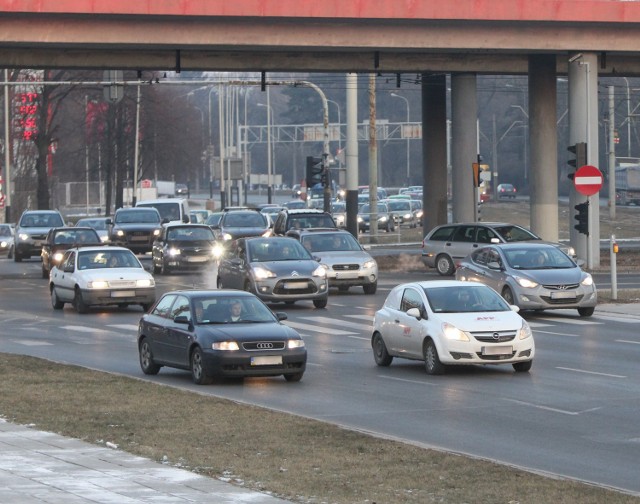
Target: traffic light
(580,151)
(582,217)
(315,171)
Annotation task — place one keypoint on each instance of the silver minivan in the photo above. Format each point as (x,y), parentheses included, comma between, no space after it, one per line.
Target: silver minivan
(447,244)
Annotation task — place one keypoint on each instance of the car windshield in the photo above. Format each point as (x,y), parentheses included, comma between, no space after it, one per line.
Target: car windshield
(276,250)
(187,233)
(395,205)
(511,233)
(100,259)
(538,259)
(464,298)
(229,309)
(79,236)
(338,207)
(169,210)
(310,221)
(244,219)
(328,242)
(100,224)
(213,219)
(41,220)
(382,208)
(137,216)
(5,231)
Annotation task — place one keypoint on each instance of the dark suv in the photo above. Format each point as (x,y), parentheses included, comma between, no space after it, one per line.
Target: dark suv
(32,230)
(136,228)
(304,218)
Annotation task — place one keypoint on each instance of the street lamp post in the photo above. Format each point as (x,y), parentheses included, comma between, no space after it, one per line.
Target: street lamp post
(339,131)
(269,149)
(408,138)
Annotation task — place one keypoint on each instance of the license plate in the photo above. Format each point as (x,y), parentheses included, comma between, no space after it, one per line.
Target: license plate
(138,238)
(295,285)
(563,295)
(197,259)
(497,350)
(346,274)
(266,360)
(119,294)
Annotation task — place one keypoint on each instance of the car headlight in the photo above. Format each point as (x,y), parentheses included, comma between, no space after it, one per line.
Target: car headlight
(3,244)
(526,283)
(261,273)
(23,236)
(295,343)
(98,284)
(320,271)
(587,280)
(407,216)
(359,219)
(227,236)
(451,332)
(217,251)
(57,257)
(145,282)
(571,252)
(369,264)
(525,331)
(225,345)
(384,218)
(174,251)
(119,232)
(104,239)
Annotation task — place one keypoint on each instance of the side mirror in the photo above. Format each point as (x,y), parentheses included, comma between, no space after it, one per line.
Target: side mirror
(165,221)
(414,312)
(236,261)
(281,315)
(181,319)
(514,308)
(109,222)
(185,219)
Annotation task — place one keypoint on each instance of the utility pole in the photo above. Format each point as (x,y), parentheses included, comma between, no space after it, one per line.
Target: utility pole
(373,162)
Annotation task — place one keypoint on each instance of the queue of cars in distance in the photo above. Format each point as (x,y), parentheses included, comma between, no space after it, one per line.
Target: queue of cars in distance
(100,276)
(449,322)
(447,244)
(219,333)
(100,224)
(532,276)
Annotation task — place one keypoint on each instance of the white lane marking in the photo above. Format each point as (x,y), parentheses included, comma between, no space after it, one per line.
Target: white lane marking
(342,305)
(368,318)
(83,329)
(620,318)
(359,338)
(537,324)
(548,408)
(128,327)
(405,380)
(590,372)
(557,333)
(627,341)
(32,343)
(569,321)
(341,323)
(315,328)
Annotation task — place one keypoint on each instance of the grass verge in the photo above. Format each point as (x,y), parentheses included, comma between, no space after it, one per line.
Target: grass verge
(299,459)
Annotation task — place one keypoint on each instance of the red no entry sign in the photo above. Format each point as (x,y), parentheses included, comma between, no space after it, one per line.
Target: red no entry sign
(588,180)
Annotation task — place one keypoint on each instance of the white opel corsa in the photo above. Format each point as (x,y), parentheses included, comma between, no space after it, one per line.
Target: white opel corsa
(450,322)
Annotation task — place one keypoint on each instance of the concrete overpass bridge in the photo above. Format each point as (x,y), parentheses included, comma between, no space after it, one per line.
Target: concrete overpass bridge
(540,38)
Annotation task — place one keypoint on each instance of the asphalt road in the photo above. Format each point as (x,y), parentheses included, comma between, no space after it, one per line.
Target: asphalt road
(575,414)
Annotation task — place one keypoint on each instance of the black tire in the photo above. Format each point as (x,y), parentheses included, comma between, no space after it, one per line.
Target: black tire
(45,272)
(17,257)
(78,303)
(586,312)
(198,373)
(320,303)
(370,289)
(164,270)
(522,367)
(380,353)
(147,364)
(293,377)
(432,363)
(444,265)
(56,304)
(508,296)
(10,253)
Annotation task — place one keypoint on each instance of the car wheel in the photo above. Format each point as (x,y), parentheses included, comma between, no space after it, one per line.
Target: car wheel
(17,257)
(508,296)
(293,377)
(380,354)
(78,302)
(432,362)
(585,312)
(149,367)
(370,288)
(522,367)
(10,253)
(164,270)
(320,303)
(445,265)
(198,373)
(55,301)
(45,272)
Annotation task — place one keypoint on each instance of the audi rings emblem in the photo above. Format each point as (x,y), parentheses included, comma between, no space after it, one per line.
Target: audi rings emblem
(496,336)
(264,346)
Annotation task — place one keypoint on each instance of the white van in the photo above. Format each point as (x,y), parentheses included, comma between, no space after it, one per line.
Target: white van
(171,209)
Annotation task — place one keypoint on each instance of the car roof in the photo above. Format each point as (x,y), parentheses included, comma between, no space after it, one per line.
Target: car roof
(295,211)
(441,283)
(533,245)
(160,200)
(103,248)
(191,293)
(171,225)
(320,231)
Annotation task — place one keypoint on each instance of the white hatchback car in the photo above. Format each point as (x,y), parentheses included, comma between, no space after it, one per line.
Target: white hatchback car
(449,322)
(89,276)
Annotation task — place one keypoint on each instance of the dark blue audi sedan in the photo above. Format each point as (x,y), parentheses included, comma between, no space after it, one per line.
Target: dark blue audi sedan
(217,334)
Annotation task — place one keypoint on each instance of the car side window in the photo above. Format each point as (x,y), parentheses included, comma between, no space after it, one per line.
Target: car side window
(480,257)
(493,257)
(163,308)
(482,235)
(181,307)
(411,299)
(464,234)
(68,261)
(442,234)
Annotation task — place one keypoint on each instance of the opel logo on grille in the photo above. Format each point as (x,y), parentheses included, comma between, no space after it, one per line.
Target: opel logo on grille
(264,346)
(496,336)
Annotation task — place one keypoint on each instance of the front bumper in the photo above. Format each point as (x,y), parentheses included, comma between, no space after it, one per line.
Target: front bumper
(478,352)
(28,248)
(119,296)
(352,277)
(541,298)
(243,363)
(291,289)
